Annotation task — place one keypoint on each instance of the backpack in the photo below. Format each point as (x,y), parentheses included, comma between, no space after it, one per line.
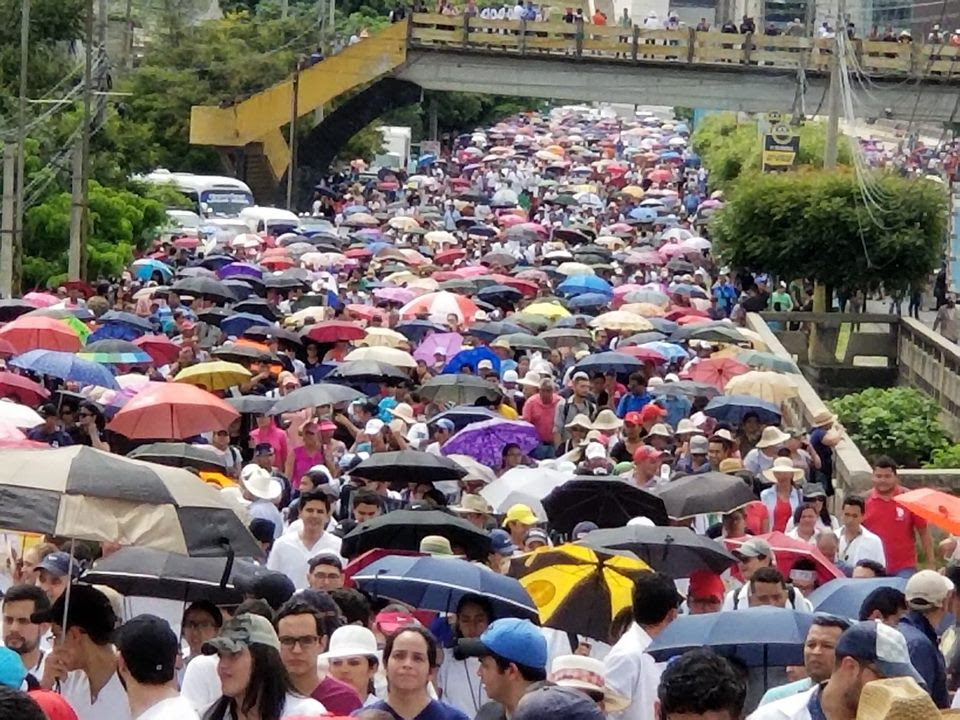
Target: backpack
(568,406)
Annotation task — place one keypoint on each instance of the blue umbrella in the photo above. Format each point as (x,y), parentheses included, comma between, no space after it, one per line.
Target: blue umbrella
(757,637)
(435,583)
(580,284)
(354,209)
(643,214)
(472,357)
(732,409)
(844,596)
(129,319)
(667,349)
(114,331)
(588,300)
(146,268)
(239,323)
(65,366)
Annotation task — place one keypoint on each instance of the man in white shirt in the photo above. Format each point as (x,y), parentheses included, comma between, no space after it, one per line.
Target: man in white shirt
(752,555)
(630,671)
(292,552)
(856,542)
(147,663)
(82,667)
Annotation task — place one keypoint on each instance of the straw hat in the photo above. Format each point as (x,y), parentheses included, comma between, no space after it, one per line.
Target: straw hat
(531,379)
(686,427)
(403,411)
(607,420)
(896,699)
(589,675)
(579,420)
(660,430)
(782,465)
(435,545)
(772,435)
(470,503)
(730,465)
(825,417)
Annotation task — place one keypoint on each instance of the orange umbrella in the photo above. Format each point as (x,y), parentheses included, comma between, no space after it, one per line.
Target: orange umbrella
(935,506)
(36,332)
(172,411)
(717,371)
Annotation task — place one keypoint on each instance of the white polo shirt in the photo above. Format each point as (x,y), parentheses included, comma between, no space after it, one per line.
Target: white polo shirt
(865,546)
(291,557)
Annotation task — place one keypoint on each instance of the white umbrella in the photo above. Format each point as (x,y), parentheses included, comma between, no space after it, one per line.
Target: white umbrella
(535,482)
(504,197)
(19,415)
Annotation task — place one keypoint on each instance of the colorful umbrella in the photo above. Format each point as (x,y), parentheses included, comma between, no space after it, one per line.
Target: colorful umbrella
(66,366)
(485,441)
(621,322)
(449,343)
(115,352)
(717,372)
(389,355)
(214,375)
(160,348)
(788,550)
(439,305)
(22,388)
(772,387)
(30,332)
(334,331)
(172,411)
(935,506)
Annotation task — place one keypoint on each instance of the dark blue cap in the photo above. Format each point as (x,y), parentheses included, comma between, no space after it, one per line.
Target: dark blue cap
(518,641)
(552,701)
(879,645)
(501,543)
(58,563)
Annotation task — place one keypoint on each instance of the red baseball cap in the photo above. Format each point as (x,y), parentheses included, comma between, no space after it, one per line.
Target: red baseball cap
(389,622)
(633,418)
(652,413)
(646,452)
(706,585)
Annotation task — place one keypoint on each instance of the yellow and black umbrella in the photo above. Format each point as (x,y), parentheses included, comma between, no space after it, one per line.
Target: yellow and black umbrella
(578,589)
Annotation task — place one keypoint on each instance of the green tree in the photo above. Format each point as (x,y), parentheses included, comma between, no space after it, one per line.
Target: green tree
(815,224)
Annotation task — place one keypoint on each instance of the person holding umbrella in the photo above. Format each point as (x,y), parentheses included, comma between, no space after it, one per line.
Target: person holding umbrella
(458,677)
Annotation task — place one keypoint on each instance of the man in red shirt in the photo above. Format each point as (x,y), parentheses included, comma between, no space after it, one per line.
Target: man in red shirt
(540,410)
(895,525)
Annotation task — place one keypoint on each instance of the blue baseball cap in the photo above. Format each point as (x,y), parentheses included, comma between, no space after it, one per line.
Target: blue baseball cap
(12,670)
(518,641)
(58,563)
(500,542)
(879,645)
(557,702)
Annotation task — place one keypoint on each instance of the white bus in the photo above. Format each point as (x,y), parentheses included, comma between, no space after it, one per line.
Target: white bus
(212,195)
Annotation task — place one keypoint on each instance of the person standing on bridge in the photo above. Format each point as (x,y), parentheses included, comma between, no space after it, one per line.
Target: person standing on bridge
(946,320)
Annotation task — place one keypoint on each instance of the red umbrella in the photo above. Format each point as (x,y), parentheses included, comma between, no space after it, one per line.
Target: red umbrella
(449,256)
(186,243)
(660,176)
(6,349)
(788,550)
(33,332)
(159,347)
(28,391)
(172,411)
(527,287)
(336,331)
(691,320)
(641,353)
(717,371)
(678,312)
(358,253)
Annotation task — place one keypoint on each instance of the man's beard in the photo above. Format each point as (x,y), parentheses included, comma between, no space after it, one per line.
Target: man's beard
(22,647)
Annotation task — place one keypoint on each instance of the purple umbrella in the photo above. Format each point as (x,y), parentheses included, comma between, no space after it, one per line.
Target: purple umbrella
(240,269)
(450,343)
(394,294)
(484,441)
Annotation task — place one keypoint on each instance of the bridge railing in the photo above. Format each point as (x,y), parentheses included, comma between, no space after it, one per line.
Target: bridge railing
(684,46)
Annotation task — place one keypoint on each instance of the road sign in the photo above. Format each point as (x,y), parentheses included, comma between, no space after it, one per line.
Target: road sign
(781,145)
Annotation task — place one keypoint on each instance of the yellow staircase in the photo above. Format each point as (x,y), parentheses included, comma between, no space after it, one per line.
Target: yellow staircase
(259,118)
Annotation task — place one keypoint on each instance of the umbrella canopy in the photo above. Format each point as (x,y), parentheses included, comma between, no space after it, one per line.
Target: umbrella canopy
(160,348)
(416,330)
(255,404)
(710,492)
(86,494)
(14,308)
(621,321)
(438,305)
(733,408)
(459,388)
(787,550)
(845,596)
(66,366)
(615,362)
(607,501)
(757,637)
(314,396)
(408,466)
(115,352)
(463,415)
(404,529)
(935,506)
(206,287)
(334,331)
(18,415)
(549,310)
(361,372)
(390,356)
(562,337)
(677,551)
(532,482)
(32,332)
(767,361)
(440,583)
(582,284)
(717,371)
(523,341)
(214,375)
(772,387)
(578,589)
(180,454)
(142,571)
(384,337)
(172,410)
(22,389)
(485,441)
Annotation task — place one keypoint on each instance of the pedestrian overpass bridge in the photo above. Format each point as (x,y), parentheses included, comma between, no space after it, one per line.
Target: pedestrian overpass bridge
(586,63)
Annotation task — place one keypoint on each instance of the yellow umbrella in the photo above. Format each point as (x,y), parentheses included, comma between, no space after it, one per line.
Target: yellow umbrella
(214,375)
(643,308)
(384,337)
(428,284)
(621,321)
(549,310)
(403,222)
(767,385)
(576,588)
(574,268)
(390,356)
(633,191)
(401,277)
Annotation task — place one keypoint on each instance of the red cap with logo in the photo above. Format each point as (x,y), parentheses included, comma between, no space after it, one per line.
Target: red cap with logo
(652,413)
(646,452)
(706,585)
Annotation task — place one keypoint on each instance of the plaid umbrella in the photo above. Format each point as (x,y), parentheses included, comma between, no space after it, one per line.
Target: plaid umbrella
(85,494)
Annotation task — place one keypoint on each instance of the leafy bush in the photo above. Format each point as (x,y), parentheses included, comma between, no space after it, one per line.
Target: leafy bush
(944,458)
(900,422)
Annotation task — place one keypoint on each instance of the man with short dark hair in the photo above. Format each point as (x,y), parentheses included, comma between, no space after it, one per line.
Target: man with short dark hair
(856,543)
(325,572)
(147,652)
(16,705)
(767,588)
(630,671)
(20,633)
(303,636)
(897,527)
(884,604)
(513,662)
(700,684)
(291,553)
(868,569)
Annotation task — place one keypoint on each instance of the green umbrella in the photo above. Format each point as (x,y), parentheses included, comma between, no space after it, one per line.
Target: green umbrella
(767,361)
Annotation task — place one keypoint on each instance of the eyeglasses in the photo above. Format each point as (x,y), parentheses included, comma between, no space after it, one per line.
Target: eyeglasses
(304,641)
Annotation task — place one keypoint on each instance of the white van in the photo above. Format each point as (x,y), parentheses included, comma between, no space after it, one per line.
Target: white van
(269,220)
(212,195)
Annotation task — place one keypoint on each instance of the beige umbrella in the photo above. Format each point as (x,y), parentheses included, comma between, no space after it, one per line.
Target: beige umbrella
(767,385)
(440,237)
(475,470)
(361,220)
(574,268)
(403,223)
(311,314)
(621,321)
(644,309)
(390,356)
(611,242)
(384,337)
(427,284)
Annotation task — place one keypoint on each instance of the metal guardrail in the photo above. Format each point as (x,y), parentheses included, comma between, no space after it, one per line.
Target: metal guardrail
(685,46)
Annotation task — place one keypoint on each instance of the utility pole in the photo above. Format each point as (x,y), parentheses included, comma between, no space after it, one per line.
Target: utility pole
(7,211)
(284,9)
(294,112)
(16,245)
(78,207)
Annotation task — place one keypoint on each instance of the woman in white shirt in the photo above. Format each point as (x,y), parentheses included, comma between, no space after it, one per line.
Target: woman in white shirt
(814,494)
(805,524)
(458,680)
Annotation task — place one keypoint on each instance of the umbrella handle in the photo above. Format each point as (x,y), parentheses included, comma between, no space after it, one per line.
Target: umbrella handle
(228,566)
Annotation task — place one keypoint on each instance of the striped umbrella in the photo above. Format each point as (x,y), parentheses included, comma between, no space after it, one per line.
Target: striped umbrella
(115,352)
(85,494)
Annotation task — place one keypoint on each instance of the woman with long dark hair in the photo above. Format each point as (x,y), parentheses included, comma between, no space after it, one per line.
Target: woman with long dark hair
(254,681)
(457,678)
(91,427)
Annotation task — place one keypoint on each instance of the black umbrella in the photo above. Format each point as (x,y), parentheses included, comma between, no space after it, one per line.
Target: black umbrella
(663,325)
(718,334)
(487,331)
(362,372)
(404,529)
(12,309)
(267,332)
(558,337)
(204,287)
(195,272)
(644,337)
(311,396)
(154,573)
(607,501)
(677,551)
(709,492)
(214,316)
(181,454)
(463,287)
(283,282)
(681,266)
(242,353)
(256,306)
(254,404)
(239,287)
(217,261)
(573,321)
(619,363)
(408,466)
(500,295)
(463,415)
(128,319)
(458,388)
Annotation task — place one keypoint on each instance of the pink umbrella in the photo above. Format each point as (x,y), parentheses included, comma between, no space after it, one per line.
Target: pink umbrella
(696,244)
(671,250)
(394,294)
(438,305)
(471,271)
(619,228)
(510,220)
(41,300)
(644,258)
(172,411)
(717,371)
(534,275)
(9,431)
(450,343)
(535,227)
